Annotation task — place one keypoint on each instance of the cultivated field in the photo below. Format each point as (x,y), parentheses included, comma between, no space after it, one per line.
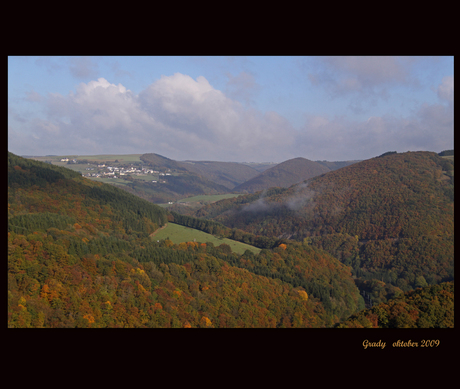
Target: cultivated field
(110,180)
(178,234)
(207,198)
(122,158)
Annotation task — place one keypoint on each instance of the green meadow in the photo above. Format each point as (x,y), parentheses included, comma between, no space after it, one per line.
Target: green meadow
(103,158)
(207,198)
(106,180)
(122,158)
(178,234)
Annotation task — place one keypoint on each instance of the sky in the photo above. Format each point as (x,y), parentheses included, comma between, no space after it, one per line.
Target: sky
(235,109)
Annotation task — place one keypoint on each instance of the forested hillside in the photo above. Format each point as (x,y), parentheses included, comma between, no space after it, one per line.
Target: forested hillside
(428,307)
(42,196)
(228,174)
(389,218)
(158,161)
(80,255)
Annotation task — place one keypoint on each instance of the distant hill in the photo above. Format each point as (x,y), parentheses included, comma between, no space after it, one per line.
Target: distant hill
(174,188)
(183,181)
(336,165)
(157,161)
(173,180)
(260,166)
(228,174)
(446,153)
(283,175)
(247,177)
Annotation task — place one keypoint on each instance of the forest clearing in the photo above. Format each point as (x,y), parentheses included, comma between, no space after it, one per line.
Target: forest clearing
(179,234)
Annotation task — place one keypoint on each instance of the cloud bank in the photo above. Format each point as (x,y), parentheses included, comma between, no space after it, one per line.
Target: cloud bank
(185,118)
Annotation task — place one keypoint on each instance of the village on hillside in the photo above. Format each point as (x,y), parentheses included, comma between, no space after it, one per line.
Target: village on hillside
(104,171)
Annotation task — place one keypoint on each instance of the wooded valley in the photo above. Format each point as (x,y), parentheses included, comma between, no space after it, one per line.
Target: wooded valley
(365,245)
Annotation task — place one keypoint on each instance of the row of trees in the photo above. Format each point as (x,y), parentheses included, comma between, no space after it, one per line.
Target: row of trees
(218,229)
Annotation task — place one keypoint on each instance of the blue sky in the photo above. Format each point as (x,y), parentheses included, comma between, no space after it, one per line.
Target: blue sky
(230,108)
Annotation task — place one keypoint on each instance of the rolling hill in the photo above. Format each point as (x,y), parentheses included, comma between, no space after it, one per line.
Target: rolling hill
(389,218)
(228,174)
(337,164)
(157,161)
(162,180)
(179,182)
(283,175)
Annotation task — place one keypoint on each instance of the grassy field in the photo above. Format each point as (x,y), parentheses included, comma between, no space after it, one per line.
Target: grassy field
(147,177)
(122,158)
(178,234)
(207,198)
(110,180)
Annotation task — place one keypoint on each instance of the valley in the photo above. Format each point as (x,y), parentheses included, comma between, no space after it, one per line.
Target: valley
(164,181)
(346,245)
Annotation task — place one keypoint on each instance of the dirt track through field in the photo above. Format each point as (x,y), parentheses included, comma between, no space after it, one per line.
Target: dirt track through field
(161,228)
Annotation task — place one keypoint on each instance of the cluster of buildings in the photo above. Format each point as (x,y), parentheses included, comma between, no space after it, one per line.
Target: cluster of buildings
(115,172)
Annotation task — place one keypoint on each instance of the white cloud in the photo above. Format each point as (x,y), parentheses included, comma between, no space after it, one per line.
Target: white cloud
(185,118)
(176,116)
(195,111)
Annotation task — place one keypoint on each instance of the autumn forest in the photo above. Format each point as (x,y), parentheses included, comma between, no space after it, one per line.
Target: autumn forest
(368,245)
